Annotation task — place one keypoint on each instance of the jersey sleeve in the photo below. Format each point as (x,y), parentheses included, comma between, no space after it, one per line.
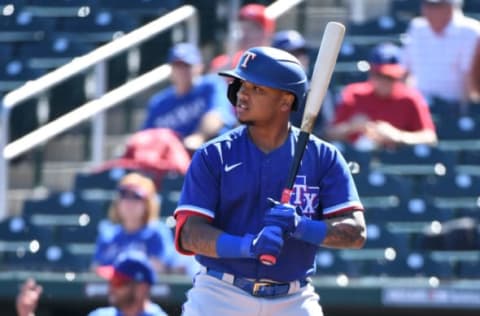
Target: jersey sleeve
(200,191)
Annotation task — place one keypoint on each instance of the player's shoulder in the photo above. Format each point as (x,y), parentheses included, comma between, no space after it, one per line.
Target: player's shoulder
(317,143)
(226,138)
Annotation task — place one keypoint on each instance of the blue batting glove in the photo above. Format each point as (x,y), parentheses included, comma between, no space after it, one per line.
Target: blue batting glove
(284,216)
(269,241)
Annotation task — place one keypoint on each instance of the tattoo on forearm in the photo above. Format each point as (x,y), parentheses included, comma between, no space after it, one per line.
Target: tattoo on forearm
(343,235)
(200,238)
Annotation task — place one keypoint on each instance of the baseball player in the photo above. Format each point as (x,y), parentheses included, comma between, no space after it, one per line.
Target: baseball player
(226,216)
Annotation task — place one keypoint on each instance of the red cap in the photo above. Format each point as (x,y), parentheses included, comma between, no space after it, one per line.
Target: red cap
(395,71)
(256,12)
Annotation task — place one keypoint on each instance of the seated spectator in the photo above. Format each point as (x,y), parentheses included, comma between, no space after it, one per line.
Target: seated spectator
(255,28)
(439,51)
(382,111)
(194,106)
(133,225)
(130,281)
(294,43)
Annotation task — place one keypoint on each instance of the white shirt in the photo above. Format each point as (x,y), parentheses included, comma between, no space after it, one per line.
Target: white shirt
(439,63)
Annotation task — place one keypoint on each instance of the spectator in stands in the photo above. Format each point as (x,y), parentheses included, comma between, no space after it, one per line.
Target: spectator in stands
(382,111)
(194,106)
(256,29)
(130,281)
(294,43)
(439,50)
(134,225)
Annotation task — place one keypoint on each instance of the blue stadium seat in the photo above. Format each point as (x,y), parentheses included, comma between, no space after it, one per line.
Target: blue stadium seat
(329,263)
(23,27)
(384,25)
(405,9)
(18,238)
(59,8)
(170,189)
(416,160)
(97,28)
(415,264)
(379,237)
(460,133)
(452,191)
(140,8)
(377,189)
(51,54)
(64,208)
(469,269)
(355,157)
(99,180)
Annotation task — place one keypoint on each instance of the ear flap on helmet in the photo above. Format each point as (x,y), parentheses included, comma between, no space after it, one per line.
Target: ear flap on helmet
(232,90)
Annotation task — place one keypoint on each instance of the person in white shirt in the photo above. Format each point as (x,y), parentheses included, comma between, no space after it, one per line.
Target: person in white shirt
(439,50)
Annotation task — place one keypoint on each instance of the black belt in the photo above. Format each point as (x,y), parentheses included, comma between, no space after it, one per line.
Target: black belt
(259,288)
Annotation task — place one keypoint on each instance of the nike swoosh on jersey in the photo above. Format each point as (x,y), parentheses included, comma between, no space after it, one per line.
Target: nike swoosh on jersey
(231,167)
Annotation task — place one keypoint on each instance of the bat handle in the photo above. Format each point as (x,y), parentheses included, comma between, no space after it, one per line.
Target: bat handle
(270,260)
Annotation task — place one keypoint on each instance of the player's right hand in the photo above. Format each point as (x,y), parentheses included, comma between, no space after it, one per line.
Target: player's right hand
(269,241)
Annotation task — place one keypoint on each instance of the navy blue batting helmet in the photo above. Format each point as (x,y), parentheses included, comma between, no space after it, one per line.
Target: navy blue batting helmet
(270,67)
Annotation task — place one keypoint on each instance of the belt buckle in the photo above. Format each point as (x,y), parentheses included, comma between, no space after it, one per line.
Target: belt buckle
(257,286)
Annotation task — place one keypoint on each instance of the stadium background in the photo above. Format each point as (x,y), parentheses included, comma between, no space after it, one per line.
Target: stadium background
(423,204)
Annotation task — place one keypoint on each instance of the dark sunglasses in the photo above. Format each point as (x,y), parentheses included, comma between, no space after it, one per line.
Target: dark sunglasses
(129,194)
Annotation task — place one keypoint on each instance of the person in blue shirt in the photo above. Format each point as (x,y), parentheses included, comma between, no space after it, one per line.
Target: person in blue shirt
(195,105)
(134,224)
(130,280)
(257,255)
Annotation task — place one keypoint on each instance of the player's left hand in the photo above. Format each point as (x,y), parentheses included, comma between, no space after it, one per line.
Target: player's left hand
(284,216)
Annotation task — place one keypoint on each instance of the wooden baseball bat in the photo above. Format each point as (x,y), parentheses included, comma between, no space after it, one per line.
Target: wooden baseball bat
(322,73)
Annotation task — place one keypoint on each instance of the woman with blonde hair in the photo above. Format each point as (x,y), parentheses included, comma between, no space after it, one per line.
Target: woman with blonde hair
(133,224)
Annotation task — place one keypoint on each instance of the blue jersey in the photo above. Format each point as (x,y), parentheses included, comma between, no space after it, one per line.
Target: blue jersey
(115,240)
(230,179)
(183,113)
(151,310)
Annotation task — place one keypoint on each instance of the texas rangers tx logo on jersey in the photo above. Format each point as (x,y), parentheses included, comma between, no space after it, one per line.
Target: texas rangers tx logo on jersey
(305,197)
(248,56)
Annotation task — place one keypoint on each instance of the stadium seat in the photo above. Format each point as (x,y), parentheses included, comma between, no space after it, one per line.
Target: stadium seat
(405,9)
(359,161)
(329,263)
(170,189)
(140,8)
(51,54)
(415,160)
(469,269)
(102,180)
(415,264)
(21,26)
(410,216)
(377,189)
(64,208)
(384,25)
(452,191)
(379,237)
(59,8)
(19,238)
(460,133)
(97,28)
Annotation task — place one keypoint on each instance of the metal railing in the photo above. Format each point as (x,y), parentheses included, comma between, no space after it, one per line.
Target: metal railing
(95,109)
